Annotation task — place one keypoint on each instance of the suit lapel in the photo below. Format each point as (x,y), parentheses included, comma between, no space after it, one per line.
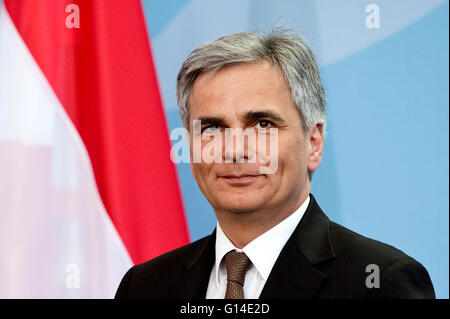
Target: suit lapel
(294,274)
(198,266)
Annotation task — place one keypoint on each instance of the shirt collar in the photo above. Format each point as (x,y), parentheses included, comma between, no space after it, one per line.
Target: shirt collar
(263,251)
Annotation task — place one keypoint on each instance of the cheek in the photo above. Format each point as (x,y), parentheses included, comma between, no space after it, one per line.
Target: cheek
(201,173)
(292,157)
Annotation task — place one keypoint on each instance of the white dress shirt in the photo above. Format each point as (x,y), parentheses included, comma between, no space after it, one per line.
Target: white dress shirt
(263,251)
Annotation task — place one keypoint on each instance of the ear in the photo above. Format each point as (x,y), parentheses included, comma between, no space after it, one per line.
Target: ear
(316,141)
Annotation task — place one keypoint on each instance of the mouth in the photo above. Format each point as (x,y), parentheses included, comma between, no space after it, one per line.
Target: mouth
(239,180)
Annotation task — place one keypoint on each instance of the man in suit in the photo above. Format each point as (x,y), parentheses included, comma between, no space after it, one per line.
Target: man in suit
(272,240)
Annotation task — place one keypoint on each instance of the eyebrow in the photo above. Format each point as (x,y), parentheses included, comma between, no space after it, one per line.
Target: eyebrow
(248,117)
(211,120)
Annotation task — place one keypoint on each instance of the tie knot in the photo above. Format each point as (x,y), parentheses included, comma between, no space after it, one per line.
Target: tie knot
(237,265)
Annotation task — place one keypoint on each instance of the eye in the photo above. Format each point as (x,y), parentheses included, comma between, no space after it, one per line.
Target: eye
(264,124)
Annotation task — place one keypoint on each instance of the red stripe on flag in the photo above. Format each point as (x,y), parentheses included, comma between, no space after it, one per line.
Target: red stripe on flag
(104,76)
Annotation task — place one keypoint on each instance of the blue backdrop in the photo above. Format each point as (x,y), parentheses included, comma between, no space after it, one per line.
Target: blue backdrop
(385,167)
(385,172)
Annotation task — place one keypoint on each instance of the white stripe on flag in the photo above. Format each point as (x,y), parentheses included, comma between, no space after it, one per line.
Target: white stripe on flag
(53,225)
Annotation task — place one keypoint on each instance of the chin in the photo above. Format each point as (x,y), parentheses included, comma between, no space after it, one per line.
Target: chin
(242,205)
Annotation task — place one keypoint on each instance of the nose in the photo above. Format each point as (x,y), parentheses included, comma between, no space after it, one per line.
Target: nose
(238,145)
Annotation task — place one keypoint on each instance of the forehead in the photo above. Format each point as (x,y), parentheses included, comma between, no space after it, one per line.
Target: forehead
(240,88)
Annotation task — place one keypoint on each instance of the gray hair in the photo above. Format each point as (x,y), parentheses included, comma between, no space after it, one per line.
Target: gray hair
(284,49)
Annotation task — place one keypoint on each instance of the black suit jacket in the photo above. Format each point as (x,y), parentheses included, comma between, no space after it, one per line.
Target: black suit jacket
(320,260)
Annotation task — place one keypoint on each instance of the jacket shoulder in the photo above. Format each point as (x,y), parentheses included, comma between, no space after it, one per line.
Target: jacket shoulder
(157,272)
(359,258)
(351,245)
(176,256)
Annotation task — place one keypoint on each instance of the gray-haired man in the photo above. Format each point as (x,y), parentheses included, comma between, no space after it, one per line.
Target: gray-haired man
(272,240)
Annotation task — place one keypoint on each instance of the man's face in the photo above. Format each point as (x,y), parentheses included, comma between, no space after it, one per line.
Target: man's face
(246,96)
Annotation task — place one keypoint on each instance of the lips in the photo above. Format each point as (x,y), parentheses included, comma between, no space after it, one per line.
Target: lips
(239,179)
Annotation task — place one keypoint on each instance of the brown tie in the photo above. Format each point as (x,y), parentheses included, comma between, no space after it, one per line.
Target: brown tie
(237,265)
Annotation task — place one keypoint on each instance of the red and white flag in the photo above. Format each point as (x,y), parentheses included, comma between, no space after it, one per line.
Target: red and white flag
(87,188)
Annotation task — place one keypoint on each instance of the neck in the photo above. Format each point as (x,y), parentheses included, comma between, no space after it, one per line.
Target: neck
(243,227)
